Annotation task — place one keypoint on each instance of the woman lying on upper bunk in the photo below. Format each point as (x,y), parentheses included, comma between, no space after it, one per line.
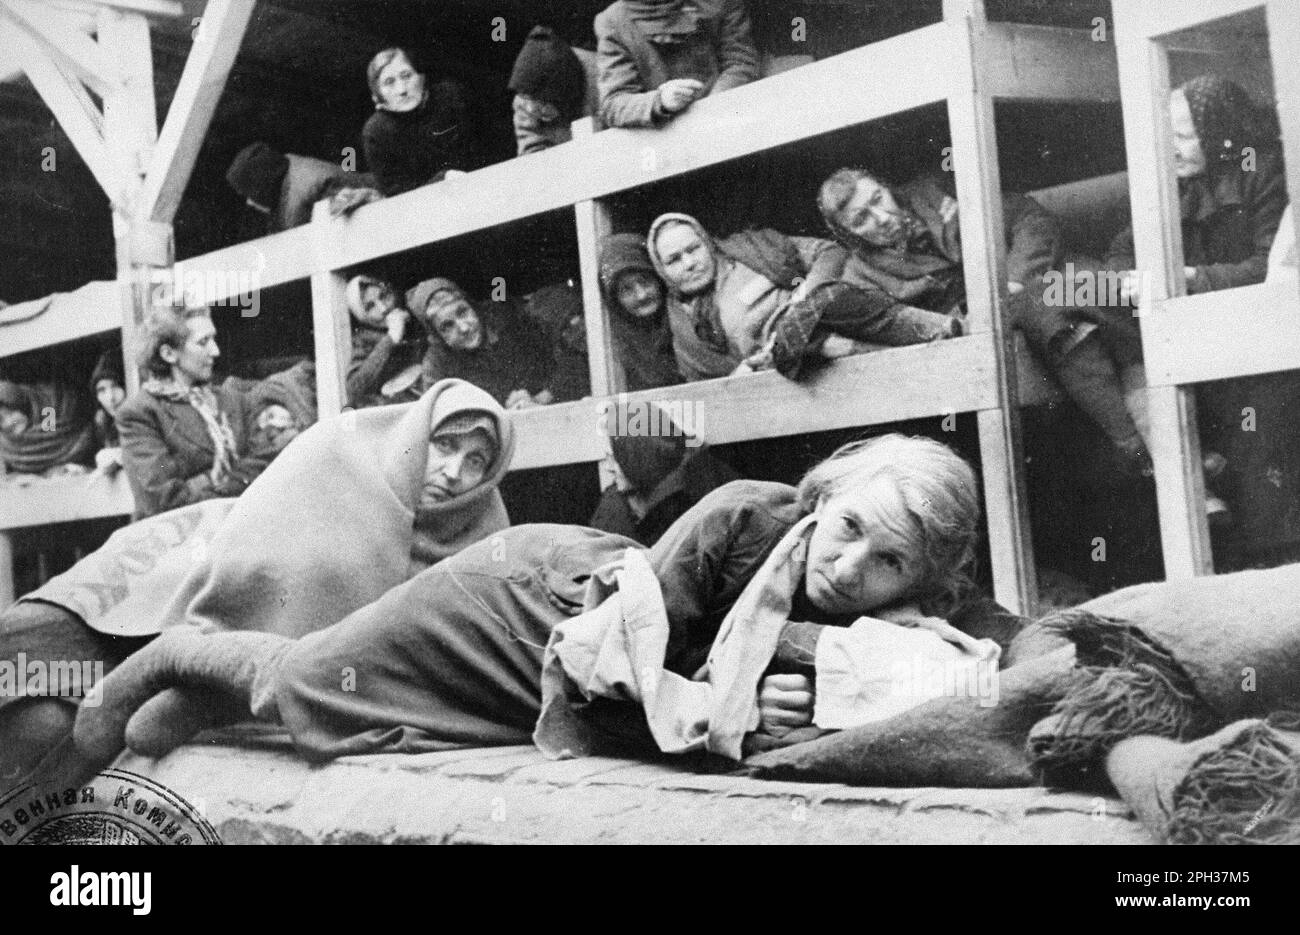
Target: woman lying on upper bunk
(484,648)
(761,300)
(44,430)
(419,132)
(386,344)
(354,507)
(1232,195)
(905,242)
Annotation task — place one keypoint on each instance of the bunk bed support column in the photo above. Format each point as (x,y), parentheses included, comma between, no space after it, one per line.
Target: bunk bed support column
(979,193)
(1284,39)
(329,317)
(6,569)
(1175,443)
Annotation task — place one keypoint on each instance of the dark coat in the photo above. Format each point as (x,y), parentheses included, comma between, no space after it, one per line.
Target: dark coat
(408,150)
(1228,222)
(518,355)
(631,68)
(308,181)
(168,455)
(698,475)
(376,360)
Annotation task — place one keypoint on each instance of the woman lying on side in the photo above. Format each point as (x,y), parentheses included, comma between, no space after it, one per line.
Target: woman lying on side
(454,656)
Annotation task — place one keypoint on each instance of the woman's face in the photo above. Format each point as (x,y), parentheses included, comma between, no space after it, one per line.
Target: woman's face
(13,422)
(193,362)
(401,87)
(873,214)
(110,395)
(1189,156)
(860,556)
(376,302)
(454,320)
(457,463)
(687,261)
(639,294)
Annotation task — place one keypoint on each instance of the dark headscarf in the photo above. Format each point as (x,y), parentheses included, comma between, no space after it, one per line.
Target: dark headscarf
(1226,119)
(548,70)
(257,174)
(108,367)
(644,345)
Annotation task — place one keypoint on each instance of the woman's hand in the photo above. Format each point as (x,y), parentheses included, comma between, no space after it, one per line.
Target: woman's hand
(784,703)
(396,322)
(520,399)
(677,94)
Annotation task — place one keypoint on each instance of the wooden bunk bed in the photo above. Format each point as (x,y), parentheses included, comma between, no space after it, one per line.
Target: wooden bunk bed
(964,62)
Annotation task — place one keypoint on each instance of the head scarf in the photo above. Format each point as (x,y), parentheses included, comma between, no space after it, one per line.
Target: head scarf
(332,524)
(646,459)
(703,307)
(619,254)
(1226,119)
(52,406)
(355,295)
(417,298)
(257,174)
(108,367)
(468,422)
(547,69)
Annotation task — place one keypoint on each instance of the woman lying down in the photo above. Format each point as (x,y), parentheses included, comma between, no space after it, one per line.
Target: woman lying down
(740,629)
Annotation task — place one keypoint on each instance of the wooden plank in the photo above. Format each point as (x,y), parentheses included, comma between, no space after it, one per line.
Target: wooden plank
(64,500)
(1175,445)
(979,194)
(213,54)
(331,329)
(6,570)
(130,112)
(1218,335)
(1025,62)
(68,316)
(1145,20)
(1284,39)
(917,382)
(274,260)
(72,107)
(71,49)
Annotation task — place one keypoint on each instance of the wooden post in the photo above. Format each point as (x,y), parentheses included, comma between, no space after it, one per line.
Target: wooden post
(1283,40)
(1153,190)
(979,195)
(330,323)
(6,569)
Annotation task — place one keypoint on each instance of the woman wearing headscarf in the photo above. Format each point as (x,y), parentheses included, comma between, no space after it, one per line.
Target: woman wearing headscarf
(357,505)
(419,131)
(657,57)
(554,84)
(109,390)
(385,343)
(1232,194)
(638,321)
(43,427)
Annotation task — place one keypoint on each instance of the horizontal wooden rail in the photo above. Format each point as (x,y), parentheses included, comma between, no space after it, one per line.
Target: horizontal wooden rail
(67,316)
(1160,19)
(63,500)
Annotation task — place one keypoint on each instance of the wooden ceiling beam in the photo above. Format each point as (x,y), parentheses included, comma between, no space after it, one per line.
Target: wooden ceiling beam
(70,48)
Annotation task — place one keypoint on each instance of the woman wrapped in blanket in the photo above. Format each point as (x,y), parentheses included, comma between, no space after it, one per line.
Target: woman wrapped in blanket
(455,656)
(354,507)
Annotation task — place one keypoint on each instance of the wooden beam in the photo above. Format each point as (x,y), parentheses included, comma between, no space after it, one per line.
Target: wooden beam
(1024,62)
(1283,40)
(71,105)
(70,48)
(1175,443)
(64,500)
(202,82)
(130,113)
(68,316)
(1154,20)
(979,195)
(594,225)
(331,326)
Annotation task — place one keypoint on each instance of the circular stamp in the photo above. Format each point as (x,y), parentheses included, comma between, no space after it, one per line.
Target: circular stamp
(115,807)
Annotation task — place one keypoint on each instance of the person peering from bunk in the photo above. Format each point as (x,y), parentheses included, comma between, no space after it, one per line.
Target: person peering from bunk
(905,245)
(638,320)
(285,186)
(44,429)
(657,57)
(658,473)
(405,487)
(419,132)
(455,656)
(283,406)
(554,84)
(1232,194)
(109,389)
(183,438)
(761,300)
(387,345)
(558,309)
(507,354)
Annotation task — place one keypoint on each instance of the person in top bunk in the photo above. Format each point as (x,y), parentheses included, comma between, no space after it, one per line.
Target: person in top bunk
(905,245)
(387,345)
(658,473)
(419,132)
(638,321)
(44,429)
(761,300)
(507,354)
(184,439)
(109,389)
(554,84)
(657,57)
(1232,194)
(285,186)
